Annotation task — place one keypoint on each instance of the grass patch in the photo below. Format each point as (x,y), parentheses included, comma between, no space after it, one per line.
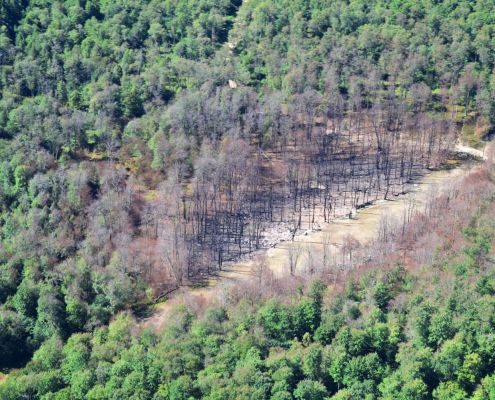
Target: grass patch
(451,164)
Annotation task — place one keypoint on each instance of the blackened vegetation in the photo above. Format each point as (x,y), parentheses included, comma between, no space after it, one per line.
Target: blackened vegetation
(315,162)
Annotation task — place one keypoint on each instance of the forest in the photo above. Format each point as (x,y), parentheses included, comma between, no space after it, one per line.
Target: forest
(415,322)
(146,144)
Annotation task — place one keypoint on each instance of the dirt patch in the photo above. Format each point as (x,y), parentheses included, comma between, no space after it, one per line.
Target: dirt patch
(308,248)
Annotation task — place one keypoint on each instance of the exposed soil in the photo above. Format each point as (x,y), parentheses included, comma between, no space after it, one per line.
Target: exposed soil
(308,245)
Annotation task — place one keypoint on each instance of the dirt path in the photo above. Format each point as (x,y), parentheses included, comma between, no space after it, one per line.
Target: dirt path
(309,246)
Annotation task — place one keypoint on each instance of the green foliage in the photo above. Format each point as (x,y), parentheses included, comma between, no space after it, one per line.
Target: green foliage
(449,391)
(255,351)
(276,322)
(89,87)
(486,390)
(310,390)
(382,295)
(13,335)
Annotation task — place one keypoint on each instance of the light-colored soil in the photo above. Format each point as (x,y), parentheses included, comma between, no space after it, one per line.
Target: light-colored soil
(362,227)
(471,151)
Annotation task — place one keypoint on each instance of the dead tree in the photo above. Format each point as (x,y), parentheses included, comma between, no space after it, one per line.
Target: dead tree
(294,252)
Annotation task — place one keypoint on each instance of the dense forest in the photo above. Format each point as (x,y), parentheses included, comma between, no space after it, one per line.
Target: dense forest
(143,144)
(387,331)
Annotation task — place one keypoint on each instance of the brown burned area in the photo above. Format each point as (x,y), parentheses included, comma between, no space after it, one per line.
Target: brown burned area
(410,231)
(249,195)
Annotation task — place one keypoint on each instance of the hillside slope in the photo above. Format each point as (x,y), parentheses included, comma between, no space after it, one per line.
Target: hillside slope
(414,322)
(143,144)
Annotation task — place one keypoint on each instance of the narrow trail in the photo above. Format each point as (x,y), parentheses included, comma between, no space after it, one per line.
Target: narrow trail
(363,227)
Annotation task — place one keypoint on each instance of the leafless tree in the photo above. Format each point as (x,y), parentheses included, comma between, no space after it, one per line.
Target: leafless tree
(327,250)
(349,246)
(260,269)
(294,252)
